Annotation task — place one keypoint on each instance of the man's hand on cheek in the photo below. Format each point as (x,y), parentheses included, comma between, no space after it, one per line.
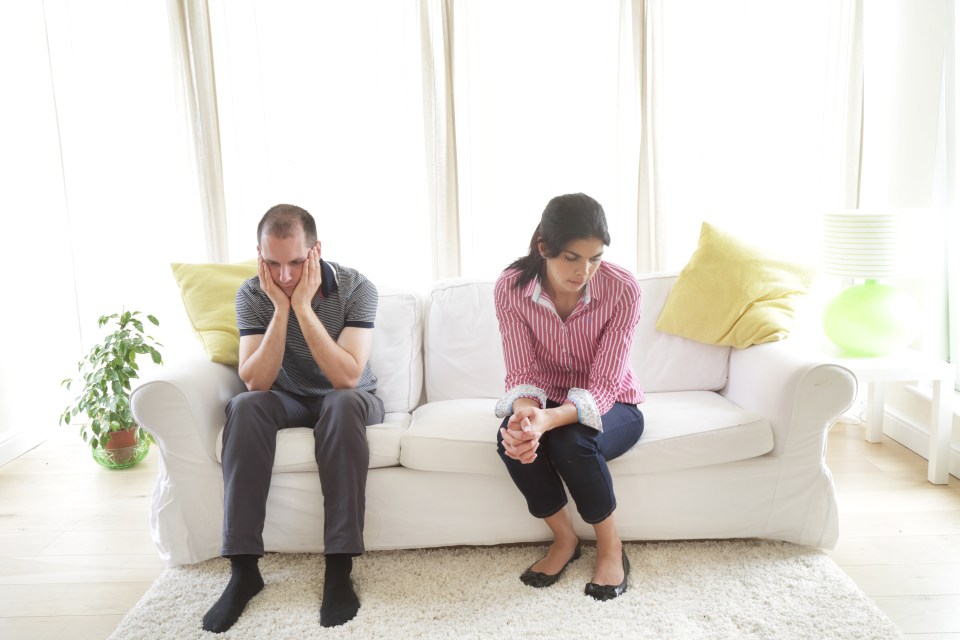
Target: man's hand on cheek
(310,278)
(277,295)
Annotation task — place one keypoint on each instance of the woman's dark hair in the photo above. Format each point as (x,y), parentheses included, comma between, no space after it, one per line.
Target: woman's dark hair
(568,217)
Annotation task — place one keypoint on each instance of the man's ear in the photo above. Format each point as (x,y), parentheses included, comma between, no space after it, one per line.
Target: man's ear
(259,255)
(319,253)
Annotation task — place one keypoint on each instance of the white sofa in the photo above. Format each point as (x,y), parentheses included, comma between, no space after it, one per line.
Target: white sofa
(733,445)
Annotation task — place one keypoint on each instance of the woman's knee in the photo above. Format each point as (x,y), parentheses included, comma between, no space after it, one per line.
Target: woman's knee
(570,441)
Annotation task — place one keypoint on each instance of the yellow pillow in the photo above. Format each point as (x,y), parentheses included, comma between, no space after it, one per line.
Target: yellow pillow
(208,292)
(733,294)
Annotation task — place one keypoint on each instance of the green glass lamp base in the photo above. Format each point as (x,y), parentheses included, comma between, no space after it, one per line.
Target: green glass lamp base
(871,319)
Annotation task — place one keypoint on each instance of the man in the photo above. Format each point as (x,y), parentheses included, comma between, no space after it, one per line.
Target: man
(306,329)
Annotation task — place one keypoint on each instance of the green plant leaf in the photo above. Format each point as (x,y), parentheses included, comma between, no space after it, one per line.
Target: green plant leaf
(156,356)
(153,319)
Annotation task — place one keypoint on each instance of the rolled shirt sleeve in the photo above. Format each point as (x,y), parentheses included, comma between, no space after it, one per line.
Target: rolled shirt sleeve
(522,379)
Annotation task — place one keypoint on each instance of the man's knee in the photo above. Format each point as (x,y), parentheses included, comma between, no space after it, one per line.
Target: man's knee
(343,411)
(348,407)
(252,415)
(251,402)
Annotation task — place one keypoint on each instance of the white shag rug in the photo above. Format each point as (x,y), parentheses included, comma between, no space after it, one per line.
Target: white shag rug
(704,590)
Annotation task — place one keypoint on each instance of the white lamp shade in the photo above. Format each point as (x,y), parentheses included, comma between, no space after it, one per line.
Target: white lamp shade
(862,244)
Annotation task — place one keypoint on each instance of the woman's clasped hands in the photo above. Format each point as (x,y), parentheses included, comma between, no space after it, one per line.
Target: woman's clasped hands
(521,438)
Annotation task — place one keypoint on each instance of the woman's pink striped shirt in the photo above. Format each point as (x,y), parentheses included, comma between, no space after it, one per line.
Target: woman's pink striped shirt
(588,351)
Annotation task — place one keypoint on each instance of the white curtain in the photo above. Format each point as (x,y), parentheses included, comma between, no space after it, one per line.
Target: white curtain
(321,105)
(904,52)
(131,193)
(743,113)
(193,55)
(98,193)
(646,36)
(39,321)
(951,121)
(947,183)
(542,108)
(436,20)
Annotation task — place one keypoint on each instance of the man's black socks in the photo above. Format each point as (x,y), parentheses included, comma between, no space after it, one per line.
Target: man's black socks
(340,602)
(245,582)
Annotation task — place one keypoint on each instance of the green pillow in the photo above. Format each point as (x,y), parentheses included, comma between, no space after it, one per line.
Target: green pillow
(733,294)
(209,292)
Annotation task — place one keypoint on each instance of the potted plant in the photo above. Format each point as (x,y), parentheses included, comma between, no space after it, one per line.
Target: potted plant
(115,438)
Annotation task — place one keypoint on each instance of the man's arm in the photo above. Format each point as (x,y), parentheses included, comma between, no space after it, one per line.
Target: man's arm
(342,361)
(262,354)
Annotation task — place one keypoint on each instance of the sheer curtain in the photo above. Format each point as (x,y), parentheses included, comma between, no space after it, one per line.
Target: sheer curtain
(98,193)
(131,190)
(951,120)
(39,321)
(904,47)
(321,106)
(744,108)
(545,103)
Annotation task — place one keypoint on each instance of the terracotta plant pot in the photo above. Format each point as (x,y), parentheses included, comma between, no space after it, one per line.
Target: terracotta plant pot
(122,439)
(123,449)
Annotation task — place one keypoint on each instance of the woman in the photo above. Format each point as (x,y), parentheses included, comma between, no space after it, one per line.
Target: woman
(567,320)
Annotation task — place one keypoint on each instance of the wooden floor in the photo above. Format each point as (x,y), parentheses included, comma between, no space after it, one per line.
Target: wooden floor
(76,553)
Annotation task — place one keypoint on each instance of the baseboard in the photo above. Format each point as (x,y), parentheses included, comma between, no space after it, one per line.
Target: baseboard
(916,437)
(18,444)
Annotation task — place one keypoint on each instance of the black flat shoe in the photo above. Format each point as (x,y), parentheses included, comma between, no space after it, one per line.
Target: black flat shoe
(536,579)
(609,591)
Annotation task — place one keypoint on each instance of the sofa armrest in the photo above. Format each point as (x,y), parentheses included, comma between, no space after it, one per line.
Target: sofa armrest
(797,393)
(183,406)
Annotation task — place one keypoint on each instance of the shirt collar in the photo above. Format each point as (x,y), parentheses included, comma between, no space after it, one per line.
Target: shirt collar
(534,290)
(328,281)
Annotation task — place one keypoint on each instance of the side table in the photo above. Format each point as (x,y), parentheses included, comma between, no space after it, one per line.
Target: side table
(909,366)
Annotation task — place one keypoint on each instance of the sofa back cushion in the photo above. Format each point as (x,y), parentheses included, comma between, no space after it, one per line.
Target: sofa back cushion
(396,357)
(463,355)
(666,362)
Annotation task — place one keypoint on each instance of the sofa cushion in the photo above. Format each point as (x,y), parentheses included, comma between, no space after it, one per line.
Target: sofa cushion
(295,446)
(686,429)
(666,362)
(734,294)
(463,355)
(208,292)
(397,355)
(682,430)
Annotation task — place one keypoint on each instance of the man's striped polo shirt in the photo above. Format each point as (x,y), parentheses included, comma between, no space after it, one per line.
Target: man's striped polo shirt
(345,299)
